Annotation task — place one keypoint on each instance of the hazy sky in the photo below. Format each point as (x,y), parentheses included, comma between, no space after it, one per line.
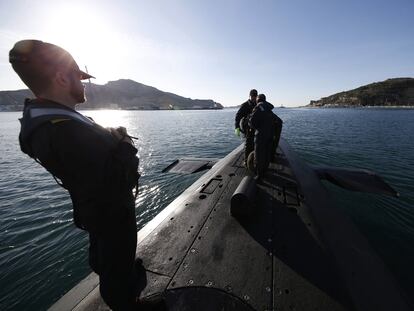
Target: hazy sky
(293,51)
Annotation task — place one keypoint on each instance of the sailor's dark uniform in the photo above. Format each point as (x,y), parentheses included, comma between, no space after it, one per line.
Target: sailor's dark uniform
(100,174)
(242,115)
(262,121)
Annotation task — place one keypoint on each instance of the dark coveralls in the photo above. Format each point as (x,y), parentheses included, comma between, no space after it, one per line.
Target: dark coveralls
(100,173)
(244,111)
(262,121)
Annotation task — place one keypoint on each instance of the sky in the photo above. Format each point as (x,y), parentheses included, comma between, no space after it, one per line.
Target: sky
(292,51)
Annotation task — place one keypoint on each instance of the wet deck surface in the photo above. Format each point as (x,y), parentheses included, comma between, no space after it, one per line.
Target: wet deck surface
(205,259)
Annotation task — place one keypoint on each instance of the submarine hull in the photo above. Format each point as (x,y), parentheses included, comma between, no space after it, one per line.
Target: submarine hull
(293,250)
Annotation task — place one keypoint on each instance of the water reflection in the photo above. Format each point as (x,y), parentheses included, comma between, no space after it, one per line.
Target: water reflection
(109,118)
(43,255)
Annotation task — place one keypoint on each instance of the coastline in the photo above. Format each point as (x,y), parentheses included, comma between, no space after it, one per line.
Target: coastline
(109,108)
(358,107)
(232,107)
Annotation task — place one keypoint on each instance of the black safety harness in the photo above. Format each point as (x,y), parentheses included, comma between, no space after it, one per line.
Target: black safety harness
(38,114)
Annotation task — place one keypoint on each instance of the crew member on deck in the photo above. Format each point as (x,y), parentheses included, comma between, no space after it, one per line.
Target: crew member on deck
(262,121)
(98,166)
(241,124)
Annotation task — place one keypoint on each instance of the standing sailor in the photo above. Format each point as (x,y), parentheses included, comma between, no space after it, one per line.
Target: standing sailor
(241,123)
(262,121)
(97,166)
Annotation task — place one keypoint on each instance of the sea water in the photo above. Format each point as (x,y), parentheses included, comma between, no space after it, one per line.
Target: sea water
(43,255)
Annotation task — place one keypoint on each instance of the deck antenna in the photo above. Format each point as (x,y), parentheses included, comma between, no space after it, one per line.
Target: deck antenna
(86,69)
(90,85)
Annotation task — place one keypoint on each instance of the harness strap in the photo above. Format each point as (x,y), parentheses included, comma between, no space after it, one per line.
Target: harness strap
(59,182)
(41,112)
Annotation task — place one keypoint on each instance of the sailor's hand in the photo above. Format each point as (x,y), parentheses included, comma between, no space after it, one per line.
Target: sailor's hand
(237,132)
(122,130)
(121,134)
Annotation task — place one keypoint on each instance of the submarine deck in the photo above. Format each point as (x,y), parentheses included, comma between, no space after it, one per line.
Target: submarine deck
(202,258)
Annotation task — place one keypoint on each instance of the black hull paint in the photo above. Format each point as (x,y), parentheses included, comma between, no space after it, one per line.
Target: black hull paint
(296,251)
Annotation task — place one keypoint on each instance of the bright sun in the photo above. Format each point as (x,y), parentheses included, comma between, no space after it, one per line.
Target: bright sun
(89,38)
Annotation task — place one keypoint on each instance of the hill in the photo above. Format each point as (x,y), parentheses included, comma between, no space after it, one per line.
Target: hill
(120,94)
(391,92)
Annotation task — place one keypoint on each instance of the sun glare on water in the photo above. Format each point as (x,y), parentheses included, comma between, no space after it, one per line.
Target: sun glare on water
(110,118)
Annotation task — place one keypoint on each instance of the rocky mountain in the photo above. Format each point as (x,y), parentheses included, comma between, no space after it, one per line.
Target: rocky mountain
(120,94)
(391,92)
(13,100)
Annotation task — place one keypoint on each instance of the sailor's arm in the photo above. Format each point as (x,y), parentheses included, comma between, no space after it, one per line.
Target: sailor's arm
(97,164)
(255,119)
(242,112)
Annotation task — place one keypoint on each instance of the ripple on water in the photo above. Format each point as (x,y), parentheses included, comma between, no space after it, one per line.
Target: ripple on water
(43,255)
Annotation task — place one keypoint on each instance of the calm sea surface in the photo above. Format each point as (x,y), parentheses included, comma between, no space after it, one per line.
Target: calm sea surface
(43,255)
